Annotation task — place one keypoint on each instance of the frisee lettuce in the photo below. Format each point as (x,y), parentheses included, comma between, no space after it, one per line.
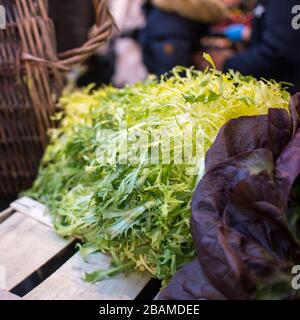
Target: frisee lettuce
(139,212)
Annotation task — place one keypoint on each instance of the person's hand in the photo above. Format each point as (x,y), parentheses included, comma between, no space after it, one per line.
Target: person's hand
(238,32)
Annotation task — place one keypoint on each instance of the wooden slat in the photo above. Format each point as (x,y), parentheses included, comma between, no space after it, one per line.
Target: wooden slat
(25,246)
(68,283)
(33,209)
(32,228)
(4,295)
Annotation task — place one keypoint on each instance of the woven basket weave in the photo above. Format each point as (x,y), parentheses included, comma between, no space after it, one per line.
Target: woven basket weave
(31,81)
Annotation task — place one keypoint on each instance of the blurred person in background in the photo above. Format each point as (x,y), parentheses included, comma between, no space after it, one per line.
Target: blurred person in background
(229,36)
(237,32)
(174,29)
(130,19)
(274,50)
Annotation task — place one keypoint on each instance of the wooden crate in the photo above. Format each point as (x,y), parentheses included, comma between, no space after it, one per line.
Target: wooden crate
(29,245)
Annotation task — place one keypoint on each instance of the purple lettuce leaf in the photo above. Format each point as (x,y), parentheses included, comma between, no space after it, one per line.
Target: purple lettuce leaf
(239,224)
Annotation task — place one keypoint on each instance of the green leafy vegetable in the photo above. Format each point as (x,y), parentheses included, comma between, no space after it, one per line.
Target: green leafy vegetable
(97,178)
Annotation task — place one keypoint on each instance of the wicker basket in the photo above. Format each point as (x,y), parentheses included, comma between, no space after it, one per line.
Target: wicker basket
(31,81)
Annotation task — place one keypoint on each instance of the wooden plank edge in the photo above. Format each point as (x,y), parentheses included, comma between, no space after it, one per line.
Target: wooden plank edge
(32,242)
(34,210)
(68,283)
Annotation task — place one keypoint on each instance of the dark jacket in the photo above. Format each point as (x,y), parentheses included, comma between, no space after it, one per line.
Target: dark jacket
(275,46)
(169,40)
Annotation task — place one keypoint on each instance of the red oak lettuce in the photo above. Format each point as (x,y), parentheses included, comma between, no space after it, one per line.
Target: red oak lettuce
(245,246)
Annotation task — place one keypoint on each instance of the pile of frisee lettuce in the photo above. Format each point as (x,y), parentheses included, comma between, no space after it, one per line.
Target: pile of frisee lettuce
(138,211)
